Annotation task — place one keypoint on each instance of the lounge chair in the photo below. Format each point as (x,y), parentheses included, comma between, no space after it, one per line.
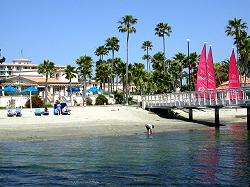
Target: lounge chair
(45,113)
(18,112)
(38,112)
(11,112)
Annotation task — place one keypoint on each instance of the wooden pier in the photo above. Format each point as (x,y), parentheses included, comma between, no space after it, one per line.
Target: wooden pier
(216,99)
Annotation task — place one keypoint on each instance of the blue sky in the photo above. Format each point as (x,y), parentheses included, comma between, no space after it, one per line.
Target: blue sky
(62,30)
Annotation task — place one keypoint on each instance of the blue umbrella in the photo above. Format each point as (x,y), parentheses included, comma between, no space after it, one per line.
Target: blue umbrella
(93,89)
(74,89)
(30,89)
(10,89)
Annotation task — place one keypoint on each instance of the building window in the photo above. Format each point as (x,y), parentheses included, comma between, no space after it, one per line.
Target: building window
(57,76)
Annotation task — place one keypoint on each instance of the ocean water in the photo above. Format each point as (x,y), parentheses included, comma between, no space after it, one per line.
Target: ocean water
(183,158)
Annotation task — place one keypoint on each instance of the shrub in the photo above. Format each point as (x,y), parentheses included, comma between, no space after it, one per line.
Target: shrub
(119,97)
(36,102)
(88,101)
(101,99)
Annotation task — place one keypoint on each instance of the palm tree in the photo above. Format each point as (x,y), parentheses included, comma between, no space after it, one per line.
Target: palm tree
(245,57)
(147,45)
(117,72)
(84,71)
(101,51)
(161,30)
(70,73)
(126,25)
(103,72)
(180,58)
(194,62)
(236,28)
(112,44)
(138,76)
(47,68)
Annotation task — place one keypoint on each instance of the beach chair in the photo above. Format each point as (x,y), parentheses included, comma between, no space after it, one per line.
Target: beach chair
(45,113)
(10,112)
(38,112)
(18,112)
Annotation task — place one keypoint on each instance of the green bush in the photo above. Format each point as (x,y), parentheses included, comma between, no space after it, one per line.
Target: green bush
(88,101)
(36,102)
(119,98)
(101,99)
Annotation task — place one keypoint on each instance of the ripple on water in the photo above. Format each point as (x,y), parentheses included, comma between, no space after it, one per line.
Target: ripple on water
(187,158)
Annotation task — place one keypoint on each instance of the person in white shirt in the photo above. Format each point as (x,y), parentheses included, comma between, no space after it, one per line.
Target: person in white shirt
(149,128)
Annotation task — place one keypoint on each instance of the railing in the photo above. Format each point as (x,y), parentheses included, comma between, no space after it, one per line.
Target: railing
(212,98)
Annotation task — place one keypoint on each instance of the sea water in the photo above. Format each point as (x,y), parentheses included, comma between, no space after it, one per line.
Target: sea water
(213,157)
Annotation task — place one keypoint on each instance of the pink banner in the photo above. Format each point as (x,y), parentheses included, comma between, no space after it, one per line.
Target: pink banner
(211,83)
(201,83)
(234,82)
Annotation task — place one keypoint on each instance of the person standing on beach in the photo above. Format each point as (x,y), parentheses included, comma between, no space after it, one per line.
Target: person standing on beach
(149,128)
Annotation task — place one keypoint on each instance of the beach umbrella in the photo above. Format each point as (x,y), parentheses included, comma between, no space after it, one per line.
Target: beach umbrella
(94,90)
(10,89)
(30,89)
(73,89)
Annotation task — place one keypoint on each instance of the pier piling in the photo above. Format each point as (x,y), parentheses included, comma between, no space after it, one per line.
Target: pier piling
(190,114)
(217,116)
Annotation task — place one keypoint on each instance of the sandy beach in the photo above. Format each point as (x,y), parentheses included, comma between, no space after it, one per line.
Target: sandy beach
(103,121)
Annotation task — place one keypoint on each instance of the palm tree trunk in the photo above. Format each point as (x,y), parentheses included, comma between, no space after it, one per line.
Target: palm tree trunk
(112,78)
(164,68)
(147,61)
(46,89)
(116,82)
(70,89)
(84,91)
(127,70)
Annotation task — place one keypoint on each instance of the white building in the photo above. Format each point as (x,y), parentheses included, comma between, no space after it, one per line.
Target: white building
(22,74)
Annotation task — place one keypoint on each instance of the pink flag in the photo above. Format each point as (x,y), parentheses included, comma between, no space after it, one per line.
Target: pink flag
(201,84)
(211,84)
(210,71)
(234,82)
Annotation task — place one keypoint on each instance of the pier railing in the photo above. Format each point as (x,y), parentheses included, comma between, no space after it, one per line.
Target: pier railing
(209,98)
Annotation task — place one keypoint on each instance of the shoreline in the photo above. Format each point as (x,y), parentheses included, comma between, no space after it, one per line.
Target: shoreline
(110,120)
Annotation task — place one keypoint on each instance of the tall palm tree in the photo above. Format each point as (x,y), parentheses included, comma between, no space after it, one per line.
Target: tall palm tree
(147,45)
(112,44)
(47,68)
(101,51)
(162,30)
(84,71)
(237,29)
(70,73)
(127,25)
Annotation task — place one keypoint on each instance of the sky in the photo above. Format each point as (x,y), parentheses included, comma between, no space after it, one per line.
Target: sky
(63,30)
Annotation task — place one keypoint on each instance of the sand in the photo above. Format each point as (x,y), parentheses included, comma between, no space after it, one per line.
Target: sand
(111,120)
